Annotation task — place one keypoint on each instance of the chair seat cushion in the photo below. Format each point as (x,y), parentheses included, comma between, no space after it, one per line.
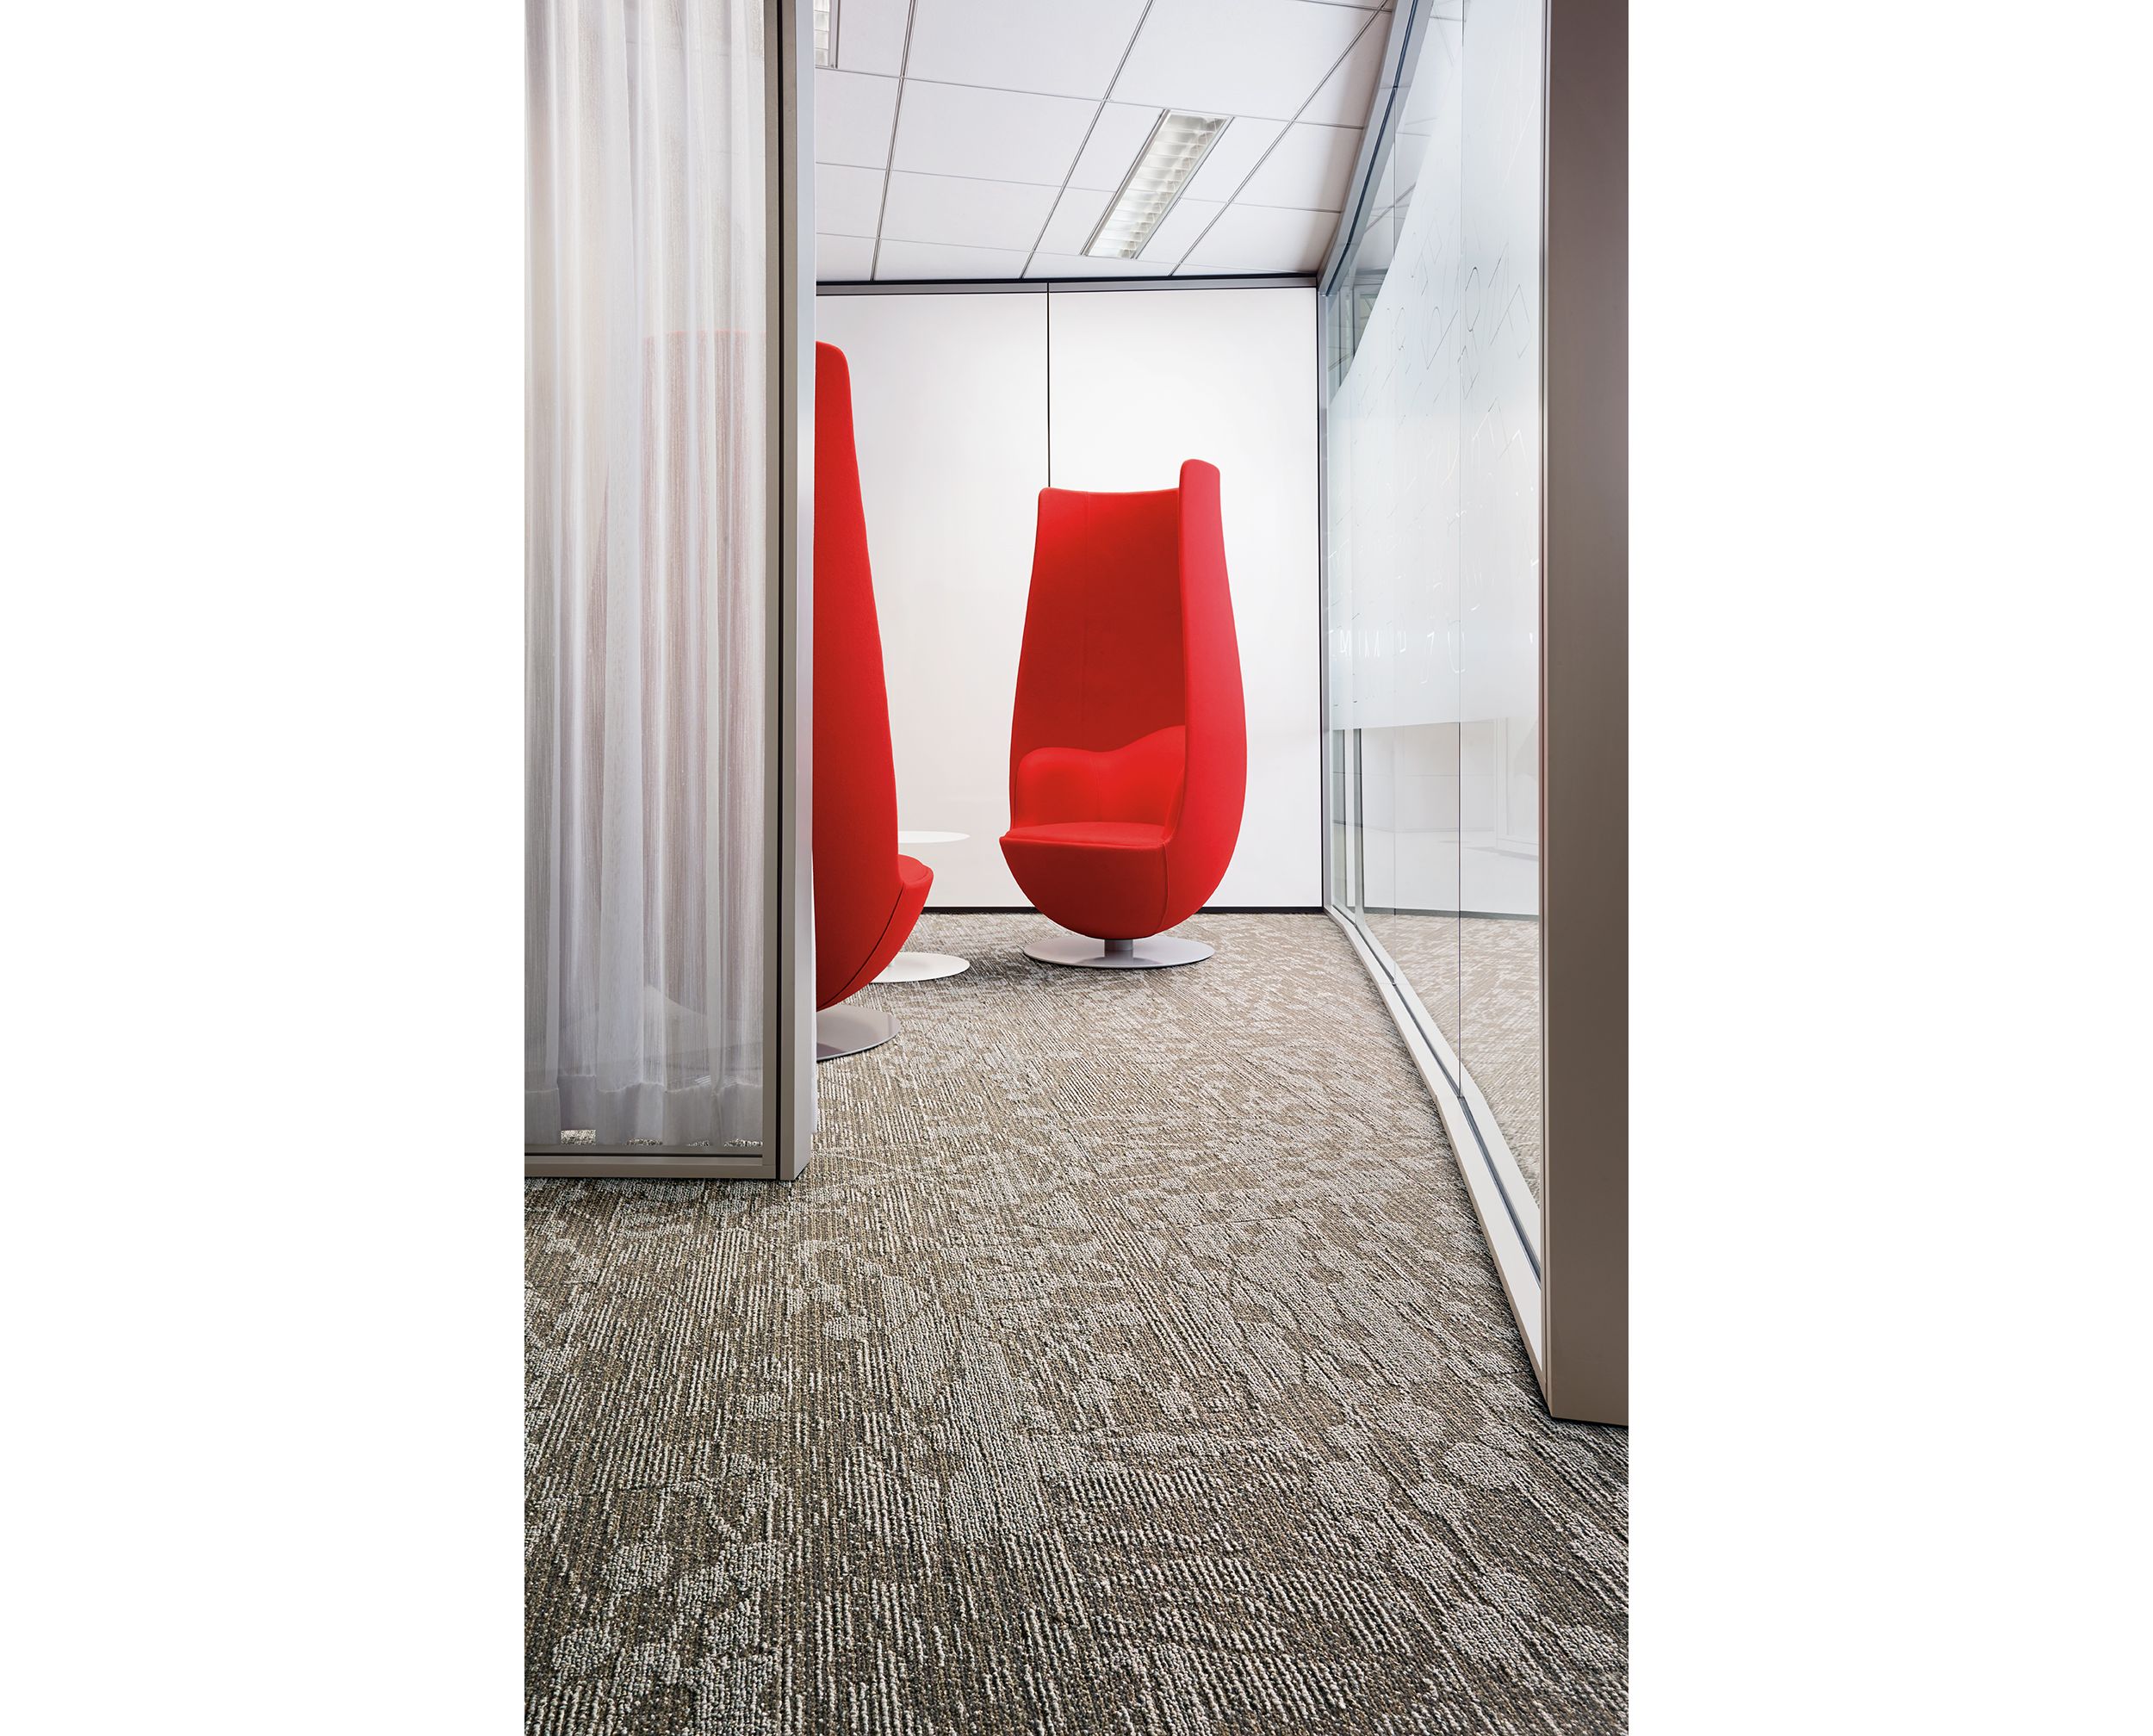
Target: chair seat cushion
(1106,878)
(1091,831)
(1091,835)
(914,879)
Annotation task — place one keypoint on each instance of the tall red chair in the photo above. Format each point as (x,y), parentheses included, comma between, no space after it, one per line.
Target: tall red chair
(1128,752)
(866,895)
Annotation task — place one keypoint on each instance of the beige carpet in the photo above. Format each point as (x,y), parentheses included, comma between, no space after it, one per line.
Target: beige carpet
(1130,1361)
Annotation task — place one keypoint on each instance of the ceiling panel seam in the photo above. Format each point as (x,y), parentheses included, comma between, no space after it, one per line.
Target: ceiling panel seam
(896,113)
(1256,167)
(1236,199)
(1127,49)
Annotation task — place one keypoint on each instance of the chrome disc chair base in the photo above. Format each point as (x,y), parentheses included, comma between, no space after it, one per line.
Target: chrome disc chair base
(923,967)
(1153,953)
(842,1030)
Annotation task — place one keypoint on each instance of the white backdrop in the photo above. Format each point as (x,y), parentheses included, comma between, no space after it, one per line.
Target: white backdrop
(949,410)
(951,406)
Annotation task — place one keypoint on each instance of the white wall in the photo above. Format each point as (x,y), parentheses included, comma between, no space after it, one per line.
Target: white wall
(1144,379)
(950,396)
(949,412)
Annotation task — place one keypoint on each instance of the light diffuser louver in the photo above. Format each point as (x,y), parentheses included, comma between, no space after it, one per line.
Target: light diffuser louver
(1169,158)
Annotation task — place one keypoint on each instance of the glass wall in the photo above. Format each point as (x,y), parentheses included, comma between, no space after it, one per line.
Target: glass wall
(647,737)
(1431,530)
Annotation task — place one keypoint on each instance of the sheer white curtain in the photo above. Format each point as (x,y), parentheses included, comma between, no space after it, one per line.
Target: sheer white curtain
(645,571)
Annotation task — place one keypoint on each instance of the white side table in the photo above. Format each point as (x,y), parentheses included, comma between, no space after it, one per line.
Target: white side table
(925,967)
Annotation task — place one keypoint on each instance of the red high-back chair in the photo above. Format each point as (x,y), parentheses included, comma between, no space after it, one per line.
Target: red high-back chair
(1128,752)
(866,895)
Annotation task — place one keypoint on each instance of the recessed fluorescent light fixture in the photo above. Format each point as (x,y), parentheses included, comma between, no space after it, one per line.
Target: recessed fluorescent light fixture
(825,32)
(1174,152)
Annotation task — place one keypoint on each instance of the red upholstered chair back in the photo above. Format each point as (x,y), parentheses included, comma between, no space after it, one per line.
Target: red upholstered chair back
(1101,662)
(1217,715)
(1130,631)
(856,875)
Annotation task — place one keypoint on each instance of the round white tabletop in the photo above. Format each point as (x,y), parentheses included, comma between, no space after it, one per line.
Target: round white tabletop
(922,967)
(925,967)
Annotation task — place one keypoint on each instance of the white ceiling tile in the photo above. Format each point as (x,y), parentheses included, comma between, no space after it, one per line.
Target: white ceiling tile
(917,259)
(1183,224)
(1236,57)
(964,214)
(1047,46)
(848,202)
(952,129)
(1077,265)
(1310,168)
(1239,148)
(1347,94)
(1259,237)
(853,118)
(871,35)
(844,259)
(1112,146)
(1074,219)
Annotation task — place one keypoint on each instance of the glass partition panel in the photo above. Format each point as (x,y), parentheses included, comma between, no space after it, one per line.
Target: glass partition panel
(1432,543)
(1392,438)
(1497,347)
(646,732)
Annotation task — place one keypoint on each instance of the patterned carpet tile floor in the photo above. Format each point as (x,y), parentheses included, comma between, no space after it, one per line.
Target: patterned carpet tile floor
(1128,1360)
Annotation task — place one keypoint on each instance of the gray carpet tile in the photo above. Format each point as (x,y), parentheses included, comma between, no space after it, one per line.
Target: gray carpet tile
(1129,1361)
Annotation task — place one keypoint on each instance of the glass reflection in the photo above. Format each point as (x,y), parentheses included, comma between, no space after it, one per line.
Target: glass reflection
(1432,528)
(1498,766)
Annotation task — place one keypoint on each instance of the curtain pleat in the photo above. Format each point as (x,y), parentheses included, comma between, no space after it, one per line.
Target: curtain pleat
(645,571)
